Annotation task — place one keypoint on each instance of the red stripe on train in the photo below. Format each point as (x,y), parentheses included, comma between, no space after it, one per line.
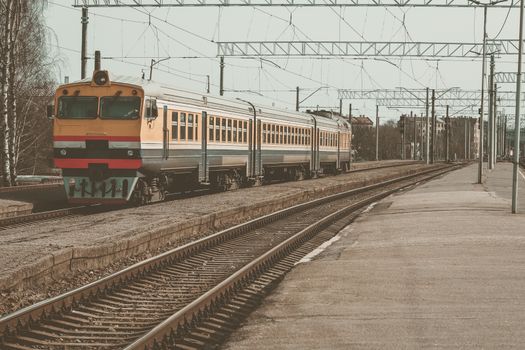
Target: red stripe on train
(83,163)
(88,137)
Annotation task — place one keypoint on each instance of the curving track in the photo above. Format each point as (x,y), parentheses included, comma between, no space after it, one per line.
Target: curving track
(188,295)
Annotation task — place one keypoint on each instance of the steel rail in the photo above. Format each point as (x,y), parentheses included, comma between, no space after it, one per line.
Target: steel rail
(194,312)
(29,315)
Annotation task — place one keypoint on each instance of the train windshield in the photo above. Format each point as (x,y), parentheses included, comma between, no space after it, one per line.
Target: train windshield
(119,107)
(77,107)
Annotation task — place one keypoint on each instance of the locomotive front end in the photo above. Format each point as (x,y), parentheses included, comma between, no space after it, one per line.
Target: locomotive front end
(96,133)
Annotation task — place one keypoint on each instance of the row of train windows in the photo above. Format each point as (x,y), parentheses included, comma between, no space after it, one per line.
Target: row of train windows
(185,126)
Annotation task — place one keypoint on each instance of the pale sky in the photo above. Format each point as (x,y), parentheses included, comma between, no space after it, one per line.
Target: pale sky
(130,37)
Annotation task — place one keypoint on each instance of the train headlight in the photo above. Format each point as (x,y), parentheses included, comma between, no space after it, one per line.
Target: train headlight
(72,182)
(130,153)
(63,152)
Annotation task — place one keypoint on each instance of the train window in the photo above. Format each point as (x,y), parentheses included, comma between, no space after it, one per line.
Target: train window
(151,108)
(174,125)
(245,132)
(229,129)
(119,107)
(77,107)
(239,131)
(183,126)
(211,128)
(234,131)
(190,126)
(281,134)
(273,133)
(223,130)
(217,129)
(264,133)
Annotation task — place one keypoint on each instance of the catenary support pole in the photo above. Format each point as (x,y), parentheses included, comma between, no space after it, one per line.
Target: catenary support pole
(297,99)
(447,137)
(490,124)
(221,80)
(516,154)
(427,143)
(480,148)
(433,141)
(83,51)
(465,123)
(421,129)
(97,60)
(377,132)
(351,135)
(494,125)
(415,133)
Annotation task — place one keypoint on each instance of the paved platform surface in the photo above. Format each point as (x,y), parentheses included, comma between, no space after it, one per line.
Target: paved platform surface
(441,266)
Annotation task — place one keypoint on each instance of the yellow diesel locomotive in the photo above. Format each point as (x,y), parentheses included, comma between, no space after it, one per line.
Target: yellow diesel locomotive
(120,139)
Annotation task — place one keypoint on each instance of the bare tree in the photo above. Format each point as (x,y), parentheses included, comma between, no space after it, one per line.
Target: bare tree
(26,85)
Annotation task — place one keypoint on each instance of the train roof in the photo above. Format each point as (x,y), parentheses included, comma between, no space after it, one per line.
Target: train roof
(167,92)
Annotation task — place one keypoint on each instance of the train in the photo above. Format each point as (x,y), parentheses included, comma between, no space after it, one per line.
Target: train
(121,140)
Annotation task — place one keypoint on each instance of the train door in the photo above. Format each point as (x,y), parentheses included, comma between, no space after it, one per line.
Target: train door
(258,141)
(165,133)
(204,174)
(338,165)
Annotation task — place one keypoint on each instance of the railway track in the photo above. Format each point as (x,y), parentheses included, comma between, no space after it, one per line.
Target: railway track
(23,220)
(189,295)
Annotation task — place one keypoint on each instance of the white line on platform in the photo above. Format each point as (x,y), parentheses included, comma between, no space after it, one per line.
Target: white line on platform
(308,257)
(523,176)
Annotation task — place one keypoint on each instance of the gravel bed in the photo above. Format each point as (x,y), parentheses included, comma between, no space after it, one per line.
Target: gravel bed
(21,245)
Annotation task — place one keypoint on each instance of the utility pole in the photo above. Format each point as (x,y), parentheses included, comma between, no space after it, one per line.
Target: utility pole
(468,139)
(490,134)
(421,138)
(83,51)
(494,125)
(221,81)
(402,122)
(516,154)
(351,135)
(505,136)
(208,84)
(480,166)
(427,153)
(465,123)
(415,135)
(432,151)
(377,132)
(297,99)
(447,137)
(341,107)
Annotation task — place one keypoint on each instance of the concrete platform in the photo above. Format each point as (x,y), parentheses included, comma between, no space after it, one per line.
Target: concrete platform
(441,266)
(10,208)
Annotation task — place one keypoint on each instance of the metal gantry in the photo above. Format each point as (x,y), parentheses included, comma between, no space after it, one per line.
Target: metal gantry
(416,98)
(363,48)
(506,78)
(294,3)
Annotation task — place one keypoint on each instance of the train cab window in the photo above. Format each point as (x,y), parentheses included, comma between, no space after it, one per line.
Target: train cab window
(217,129)
(183,126)
(211,128)
(77,107)
(190,126)
(120,107)
(174,125)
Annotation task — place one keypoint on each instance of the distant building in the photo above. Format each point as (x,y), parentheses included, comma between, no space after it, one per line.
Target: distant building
(362,121)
